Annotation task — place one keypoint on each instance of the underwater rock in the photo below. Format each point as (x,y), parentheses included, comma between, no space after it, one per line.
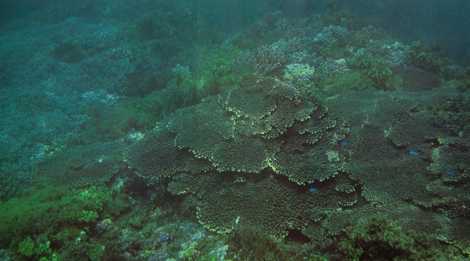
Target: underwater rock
(4,256)
(417,79)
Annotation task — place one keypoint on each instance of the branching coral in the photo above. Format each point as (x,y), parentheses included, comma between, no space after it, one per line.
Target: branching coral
(299,73)
(270,59)
(423,57)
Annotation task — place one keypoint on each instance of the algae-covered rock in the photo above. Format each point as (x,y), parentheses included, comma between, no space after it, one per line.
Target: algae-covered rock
(25,215)
(382,239)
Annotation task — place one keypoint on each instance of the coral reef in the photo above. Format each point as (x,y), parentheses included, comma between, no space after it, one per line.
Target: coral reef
(294,139)
(279,137)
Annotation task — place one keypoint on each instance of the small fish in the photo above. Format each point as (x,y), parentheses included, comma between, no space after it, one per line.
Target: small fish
(451,173)
(344,142)
(312,188)
(413,152)
(164,237)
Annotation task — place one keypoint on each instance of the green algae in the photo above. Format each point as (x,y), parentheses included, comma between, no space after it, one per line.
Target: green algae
(26,247)
(30,222)
(217,68)
(352,80)
(375,68)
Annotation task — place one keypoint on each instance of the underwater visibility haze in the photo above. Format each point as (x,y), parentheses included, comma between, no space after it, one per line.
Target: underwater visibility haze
(234,130)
